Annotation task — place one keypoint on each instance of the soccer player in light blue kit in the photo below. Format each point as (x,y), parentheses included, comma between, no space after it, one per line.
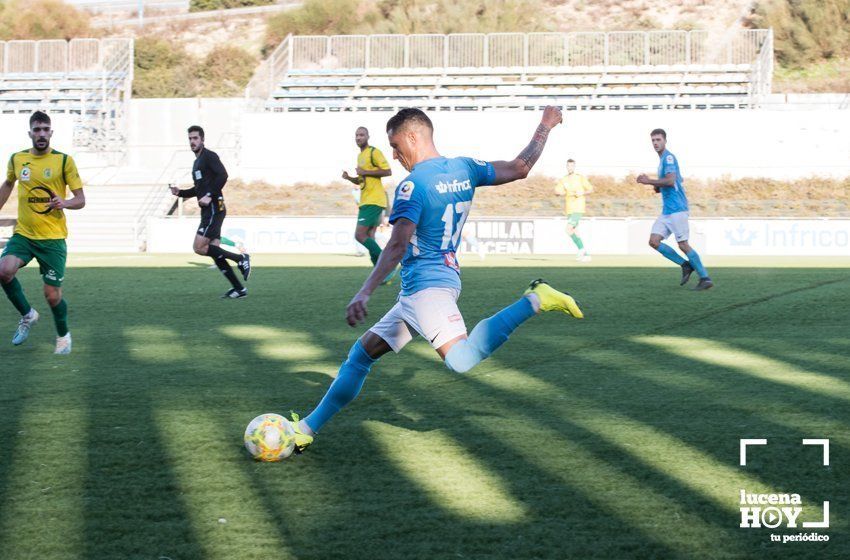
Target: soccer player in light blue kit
(674,214)
(430,208)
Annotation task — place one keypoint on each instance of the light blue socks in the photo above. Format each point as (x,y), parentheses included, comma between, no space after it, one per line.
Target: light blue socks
(484,339)
(670,253)
(488,335)
(346,386)
(696,263)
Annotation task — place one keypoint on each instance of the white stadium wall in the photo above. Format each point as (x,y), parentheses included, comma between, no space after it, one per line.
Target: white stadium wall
(317,146)
(14,137)
(156,132)
(546,236)
(776,144)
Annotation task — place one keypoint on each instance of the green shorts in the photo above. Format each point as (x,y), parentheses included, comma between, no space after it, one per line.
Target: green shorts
(574,218)
(370,215)
(50,254)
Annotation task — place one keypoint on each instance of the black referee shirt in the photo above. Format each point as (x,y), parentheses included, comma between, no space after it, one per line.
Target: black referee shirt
(209,176)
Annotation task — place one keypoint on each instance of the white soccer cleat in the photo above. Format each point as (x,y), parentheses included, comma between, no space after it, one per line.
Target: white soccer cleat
(24,325)
(581,254)
(63,344)
(585,258)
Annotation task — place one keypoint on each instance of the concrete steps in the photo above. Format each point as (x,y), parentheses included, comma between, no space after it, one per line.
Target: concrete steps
(115,218)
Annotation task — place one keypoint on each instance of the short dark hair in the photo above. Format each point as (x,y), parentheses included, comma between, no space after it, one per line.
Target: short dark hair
(39,117)
(364,128)
(409,115)
(196,128)
(658,131)
(571,160)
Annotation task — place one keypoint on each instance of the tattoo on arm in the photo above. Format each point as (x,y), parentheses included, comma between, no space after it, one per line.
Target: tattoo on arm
(531,153)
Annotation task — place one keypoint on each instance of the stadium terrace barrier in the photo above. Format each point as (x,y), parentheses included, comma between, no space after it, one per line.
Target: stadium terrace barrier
(66,57)
(602,236)
(367,70)
(479,50)
(90,78)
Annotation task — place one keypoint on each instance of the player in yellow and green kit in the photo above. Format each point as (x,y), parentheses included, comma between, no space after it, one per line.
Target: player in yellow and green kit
(574,187)
(44,177)
(371,167)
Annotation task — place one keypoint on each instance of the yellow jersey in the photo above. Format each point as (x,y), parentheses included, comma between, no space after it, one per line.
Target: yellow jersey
(40,177)
(574,187)
(371,188)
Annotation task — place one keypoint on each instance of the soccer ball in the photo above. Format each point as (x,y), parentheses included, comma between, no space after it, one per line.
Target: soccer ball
(270,437)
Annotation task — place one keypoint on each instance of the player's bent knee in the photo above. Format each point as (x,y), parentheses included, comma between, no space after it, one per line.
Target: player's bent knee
(7,270)
(374,345)
(53,295)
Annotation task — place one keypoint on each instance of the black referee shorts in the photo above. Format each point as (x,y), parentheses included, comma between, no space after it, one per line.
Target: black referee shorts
(211,221)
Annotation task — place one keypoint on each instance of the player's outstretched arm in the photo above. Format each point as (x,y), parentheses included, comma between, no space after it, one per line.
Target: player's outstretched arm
(520,167)
(5,191)
(403,230)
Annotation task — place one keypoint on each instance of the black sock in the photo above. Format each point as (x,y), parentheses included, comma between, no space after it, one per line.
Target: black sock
(215,251)
(225,269)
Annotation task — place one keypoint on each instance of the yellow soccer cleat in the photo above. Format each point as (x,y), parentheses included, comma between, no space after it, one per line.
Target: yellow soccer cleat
(553,300)
(302,440)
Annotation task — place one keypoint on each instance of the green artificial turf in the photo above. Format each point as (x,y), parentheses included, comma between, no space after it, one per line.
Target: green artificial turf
(613,437)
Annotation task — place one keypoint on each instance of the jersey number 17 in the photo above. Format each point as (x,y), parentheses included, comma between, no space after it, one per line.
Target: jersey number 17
(452,230)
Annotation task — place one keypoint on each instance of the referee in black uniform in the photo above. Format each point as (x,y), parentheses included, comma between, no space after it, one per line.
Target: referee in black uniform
(209,177)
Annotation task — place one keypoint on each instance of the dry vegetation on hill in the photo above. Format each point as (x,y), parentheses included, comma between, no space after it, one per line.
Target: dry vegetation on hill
(814,196)
(487,16)
(809,58)
(811,197)
(812,36)
(42,19)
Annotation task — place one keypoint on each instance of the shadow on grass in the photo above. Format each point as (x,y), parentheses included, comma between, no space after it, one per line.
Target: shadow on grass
(345,497)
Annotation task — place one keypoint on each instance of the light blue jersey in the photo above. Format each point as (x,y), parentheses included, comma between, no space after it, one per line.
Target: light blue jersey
(673,197)
(437,197)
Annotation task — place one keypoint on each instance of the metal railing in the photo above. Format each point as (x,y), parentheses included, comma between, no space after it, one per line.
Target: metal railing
(103,127)
(761,77)
(91,78)
(742,101)
(359,54)
(64,57)
(479,50)
(159,198)
(270,70)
